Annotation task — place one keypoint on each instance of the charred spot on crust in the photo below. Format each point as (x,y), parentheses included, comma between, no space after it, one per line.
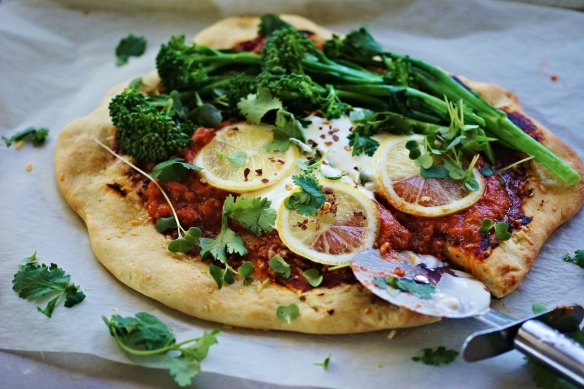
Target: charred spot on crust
(525,124)
(117,188)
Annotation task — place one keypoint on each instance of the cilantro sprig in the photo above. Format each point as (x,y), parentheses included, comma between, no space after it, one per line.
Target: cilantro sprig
(36,281)
(310,197)
(436,357)
(37,136)
(256,216)
(577,258)
(144,335)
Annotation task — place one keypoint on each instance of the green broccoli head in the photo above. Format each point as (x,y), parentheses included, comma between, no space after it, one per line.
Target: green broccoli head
(285,49)
(148,128)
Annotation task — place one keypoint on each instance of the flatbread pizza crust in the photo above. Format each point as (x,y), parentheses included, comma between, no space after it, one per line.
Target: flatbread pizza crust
(126,242)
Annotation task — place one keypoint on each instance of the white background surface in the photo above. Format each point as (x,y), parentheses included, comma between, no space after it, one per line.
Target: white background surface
(57,63)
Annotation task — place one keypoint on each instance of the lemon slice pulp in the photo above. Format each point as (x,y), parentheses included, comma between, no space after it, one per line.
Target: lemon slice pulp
(257,169)
(347,225)
(400,183)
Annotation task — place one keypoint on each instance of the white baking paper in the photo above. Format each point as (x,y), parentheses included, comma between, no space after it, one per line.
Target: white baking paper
(56,63)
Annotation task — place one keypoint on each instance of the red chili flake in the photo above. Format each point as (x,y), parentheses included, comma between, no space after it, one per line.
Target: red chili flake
(311,142)
(320,128)
(322,136)
(553,77)
(246,172)
(329,143)
(328,191)
(280,161)
(336,138)
(259,172)
(265,180)
(399,272)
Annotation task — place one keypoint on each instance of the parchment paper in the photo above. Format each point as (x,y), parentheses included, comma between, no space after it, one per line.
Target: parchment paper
(56,63)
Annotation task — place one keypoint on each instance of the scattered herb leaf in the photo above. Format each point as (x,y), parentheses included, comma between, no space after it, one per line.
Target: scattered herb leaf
(313,277)
(246,269)
(362,144)
(288,312)
(166,223)
(577,258)
(227,242)
(37,136)
(255,215)
(35,281)
(145,335)
(502,231)
(237,159)
(255,106)
(538,308)
(434,172)
(310,198)
(325,363)
(279,266)
(486,226)
(437,357)
(175,169)
(187,242)
(423,291)
(130,46)
(486,171)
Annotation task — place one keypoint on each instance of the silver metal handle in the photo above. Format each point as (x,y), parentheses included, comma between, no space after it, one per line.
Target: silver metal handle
(547,346)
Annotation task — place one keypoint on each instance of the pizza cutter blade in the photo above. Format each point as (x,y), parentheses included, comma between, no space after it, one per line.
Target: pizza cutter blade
(424,284)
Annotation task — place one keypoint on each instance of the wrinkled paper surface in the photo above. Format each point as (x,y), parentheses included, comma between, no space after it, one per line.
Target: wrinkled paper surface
(57,62)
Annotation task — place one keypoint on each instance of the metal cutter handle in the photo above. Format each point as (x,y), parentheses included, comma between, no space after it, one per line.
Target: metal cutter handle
(547,346)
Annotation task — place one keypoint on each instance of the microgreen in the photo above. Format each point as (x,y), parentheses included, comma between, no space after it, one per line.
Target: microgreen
(130,46)
(486,226)
(538,308)
(175,169)
(310,197)
(577,258)
(237,159)
(423,291)
(37,136)
(186,239)
(36,281)
(313,277)
(437,357)
(144,335)
(288,312)
(279,266)
(486,171)
(325,363)
(165,224)
(501,229)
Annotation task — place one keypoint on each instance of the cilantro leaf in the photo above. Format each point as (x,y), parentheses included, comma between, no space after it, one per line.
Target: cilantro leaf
(37,136)
(313,277)
(325,363)
(362,144)
(34,281)
(227,242)
(279,266)
(577,258)
(288,312)
(144,335)
(130,46)
(434,172)
(437,357)
(254,215)
(310,198)
(237,159)
(183,369)
(175,169)
(255,106)
(287,126)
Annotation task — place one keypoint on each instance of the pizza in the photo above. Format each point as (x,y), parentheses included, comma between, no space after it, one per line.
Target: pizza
(252,218)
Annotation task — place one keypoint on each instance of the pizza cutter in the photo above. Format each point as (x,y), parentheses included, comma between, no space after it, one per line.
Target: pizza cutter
(424,284)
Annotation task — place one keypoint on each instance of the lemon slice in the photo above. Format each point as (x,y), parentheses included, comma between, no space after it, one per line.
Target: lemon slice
(347,225)
(401,184)
(255,168)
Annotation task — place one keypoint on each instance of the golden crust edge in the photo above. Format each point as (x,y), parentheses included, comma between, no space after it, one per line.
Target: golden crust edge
(124,231)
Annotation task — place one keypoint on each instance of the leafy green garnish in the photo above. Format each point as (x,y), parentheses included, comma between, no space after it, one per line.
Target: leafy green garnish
(130,46)
(184,244)
(288,312)
(362,144)
(255,106)
(144,335)
(287,127)
(227,242)
(437,357)
(255,215)
(577,258)
(175,169)
(538,308)
(165,224)
(434,172)
(37,136)
(486,171)
(279,266)
(310,198)
(313,277)
(237,159)
(270,23)
(325,363)
(35,281)
(136,83)
(486,226)
(502,231)
(423,291)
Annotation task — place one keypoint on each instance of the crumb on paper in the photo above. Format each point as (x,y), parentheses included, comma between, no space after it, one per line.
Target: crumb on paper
(19,144)
(378,365)
(391,334)
(29,167)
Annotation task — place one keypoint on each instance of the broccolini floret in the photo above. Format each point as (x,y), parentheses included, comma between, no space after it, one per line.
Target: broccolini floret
(148,127)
